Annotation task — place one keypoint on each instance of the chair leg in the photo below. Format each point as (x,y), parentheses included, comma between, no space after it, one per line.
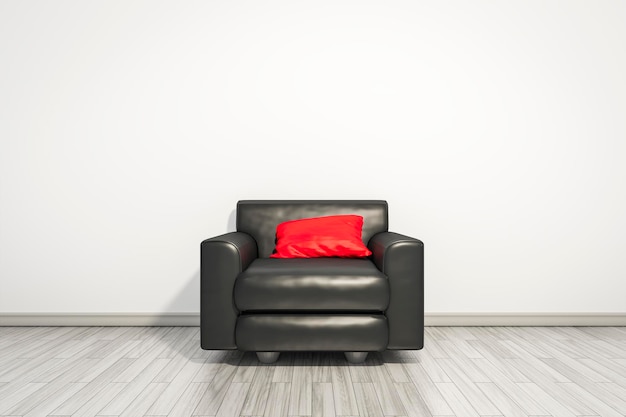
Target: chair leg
(355,357)
(267,357)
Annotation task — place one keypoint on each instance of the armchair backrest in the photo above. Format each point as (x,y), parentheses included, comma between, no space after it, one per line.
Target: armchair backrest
(259,218)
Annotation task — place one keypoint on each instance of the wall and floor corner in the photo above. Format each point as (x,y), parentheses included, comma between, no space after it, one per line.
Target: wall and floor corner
(495,130)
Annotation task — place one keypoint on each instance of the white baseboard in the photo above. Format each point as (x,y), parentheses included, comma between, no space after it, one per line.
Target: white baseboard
(525,319)
(99,319)
(430,319)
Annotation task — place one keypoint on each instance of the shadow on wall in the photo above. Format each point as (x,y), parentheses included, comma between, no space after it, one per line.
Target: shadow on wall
(186,302)
(231,226)
(184,307)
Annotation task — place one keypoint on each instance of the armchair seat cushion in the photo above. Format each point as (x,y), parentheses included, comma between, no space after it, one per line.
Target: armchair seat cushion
(317,284)
(312,332)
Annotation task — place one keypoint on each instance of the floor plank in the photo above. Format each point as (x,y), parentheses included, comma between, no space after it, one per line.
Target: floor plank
(323,401)
(462,371)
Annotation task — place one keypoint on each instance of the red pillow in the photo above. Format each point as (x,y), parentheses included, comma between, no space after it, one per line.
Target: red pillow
(317,237)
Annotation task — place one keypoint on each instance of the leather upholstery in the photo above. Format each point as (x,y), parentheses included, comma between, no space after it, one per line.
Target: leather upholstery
(259,218)
(319,284)
(222,260)
(312,332)
(251,302)
(401,258)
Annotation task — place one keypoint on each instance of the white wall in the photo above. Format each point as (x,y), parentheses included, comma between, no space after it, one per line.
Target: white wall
(129,129)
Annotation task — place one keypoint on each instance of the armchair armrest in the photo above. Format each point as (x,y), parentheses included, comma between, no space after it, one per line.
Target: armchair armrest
(222,258)
(401,259)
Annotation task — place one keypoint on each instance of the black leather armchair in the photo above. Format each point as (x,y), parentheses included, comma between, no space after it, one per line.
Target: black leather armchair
(255,303)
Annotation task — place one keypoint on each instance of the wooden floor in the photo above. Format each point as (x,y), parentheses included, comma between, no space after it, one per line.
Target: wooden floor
(462,371)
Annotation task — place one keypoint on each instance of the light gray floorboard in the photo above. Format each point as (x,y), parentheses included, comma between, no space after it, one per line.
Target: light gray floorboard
(359,372)
(93,406)
(343,389)
(506,405)
(140,405)
(130,391)
(413,402)
(509,387)
(323,401)
(397,372)
(175,389)
(554,407)
(458,402)
(246,369)
(259,391)
(234,399)
(9,401)
(595,403)
(618,398)
(462,371)
(428,364)
(428,390)
(276,404)
(301,390)
(141,362)
(44,408)
(384,389)
(211,401)
(462,382)
(321,367)
(367,401)
(190,399)
(283,371)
